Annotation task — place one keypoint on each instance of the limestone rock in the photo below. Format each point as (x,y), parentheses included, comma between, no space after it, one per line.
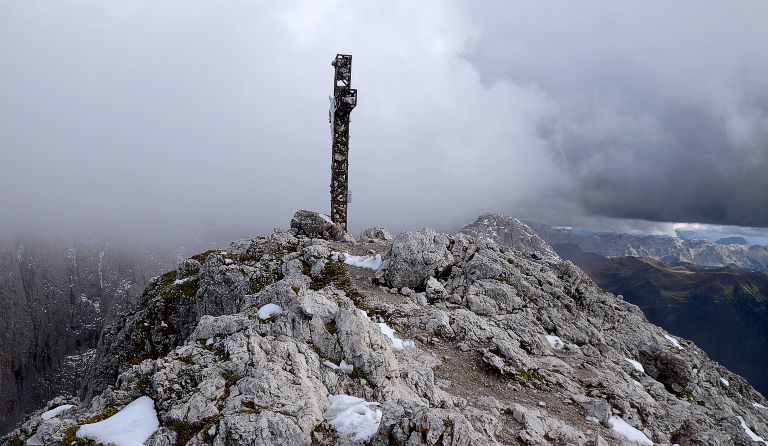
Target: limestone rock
(510,232)
(435,289)
(414,257)
(187,268)
(480,371)
(375,234)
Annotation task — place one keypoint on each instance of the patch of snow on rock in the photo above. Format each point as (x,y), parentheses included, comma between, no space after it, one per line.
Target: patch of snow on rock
(673,341)
(397,343)
(353,416)
(269,310)
(180,281)
(636,365)
(343,366)
(369,262)
(132,426)
(725,382)
(627,431)
(753,436)
(758,405)
(555,342)
(55,411)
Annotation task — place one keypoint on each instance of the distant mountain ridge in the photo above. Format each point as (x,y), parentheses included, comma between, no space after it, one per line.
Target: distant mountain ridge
(667,249)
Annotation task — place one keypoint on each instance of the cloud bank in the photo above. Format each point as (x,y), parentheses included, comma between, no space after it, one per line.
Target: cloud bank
(149,116)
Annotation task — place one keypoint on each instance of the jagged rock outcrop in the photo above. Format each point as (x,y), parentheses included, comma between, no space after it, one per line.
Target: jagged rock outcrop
(375,234)
(509,349)
(723,309)
(509,231)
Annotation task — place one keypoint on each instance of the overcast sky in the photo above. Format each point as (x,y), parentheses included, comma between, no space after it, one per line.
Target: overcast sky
(147,115)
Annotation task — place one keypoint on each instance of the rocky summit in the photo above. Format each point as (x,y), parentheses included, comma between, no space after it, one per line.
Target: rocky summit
(308,337)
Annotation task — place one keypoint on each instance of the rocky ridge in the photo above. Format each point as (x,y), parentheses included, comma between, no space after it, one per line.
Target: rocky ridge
(491,345)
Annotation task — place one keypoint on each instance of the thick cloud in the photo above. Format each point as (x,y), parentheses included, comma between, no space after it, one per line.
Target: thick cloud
(149,116)
(661,108)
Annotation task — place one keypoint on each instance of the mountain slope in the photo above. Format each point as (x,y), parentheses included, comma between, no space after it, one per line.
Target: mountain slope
(724,310)
(451,340)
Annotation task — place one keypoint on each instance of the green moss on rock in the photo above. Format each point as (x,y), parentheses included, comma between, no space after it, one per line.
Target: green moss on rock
(335,273)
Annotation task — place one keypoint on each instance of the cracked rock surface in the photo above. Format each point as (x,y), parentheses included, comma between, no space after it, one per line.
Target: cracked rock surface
(483,365)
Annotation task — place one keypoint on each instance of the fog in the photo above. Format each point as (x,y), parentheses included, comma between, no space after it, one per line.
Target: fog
(160,117)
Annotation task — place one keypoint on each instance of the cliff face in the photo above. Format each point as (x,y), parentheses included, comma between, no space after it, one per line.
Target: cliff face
(55,298)
(302,338)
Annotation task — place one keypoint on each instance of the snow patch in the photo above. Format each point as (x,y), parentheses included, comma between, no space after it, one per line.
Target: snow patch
(636,365)
(350,415)
(753,436)
(180,281)
(725,382)
(555,342)
(132,426)
(343,366)
(326,218)
(269,310)
(627,431)
(397,343)
(759,406)
(55,411)
(369,262)
(673,341)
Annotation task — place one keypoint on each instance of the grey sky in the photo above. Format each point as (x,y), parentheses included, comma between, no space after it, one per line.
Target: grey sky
(144,115)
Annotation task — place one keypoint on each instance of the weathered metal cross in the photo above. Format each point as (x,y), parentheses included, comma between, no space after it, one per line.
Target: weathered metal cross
(344,99)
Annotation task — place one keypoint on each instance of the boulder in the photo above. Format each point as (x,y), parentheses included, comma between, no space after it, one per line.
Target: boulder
(414,257)
(375,234)
(187,268)
(315,225)
(435,289)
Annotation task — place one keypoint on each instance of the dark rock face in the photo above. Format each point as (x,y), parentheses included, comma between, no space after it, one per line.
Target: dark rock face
(671,370)
(54,299)
(732,241)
